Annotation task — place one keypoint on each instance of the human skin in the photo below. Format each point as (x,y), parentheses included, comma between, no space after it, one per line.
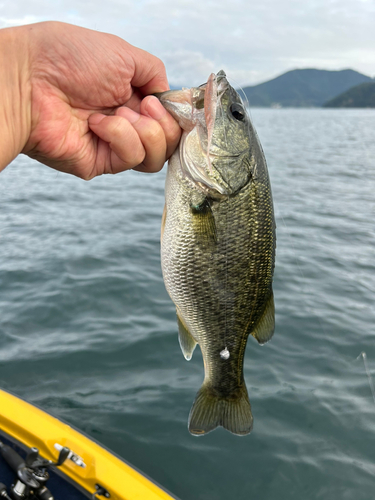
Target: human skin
(78,101)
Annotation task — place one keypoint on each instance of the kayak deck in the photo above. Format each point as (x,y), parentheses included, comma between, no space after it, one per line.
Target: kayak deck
(58,483)
(23,425)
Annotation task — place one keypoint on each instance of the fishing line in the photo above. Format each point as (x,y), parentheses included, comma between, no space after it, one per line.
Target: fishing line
(364,357)
(363,353)
(238,87)
(224,354)
(223,120)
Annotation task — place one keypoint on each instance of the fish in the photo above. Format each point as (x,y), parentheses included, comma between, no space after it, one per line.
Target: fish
(218,246)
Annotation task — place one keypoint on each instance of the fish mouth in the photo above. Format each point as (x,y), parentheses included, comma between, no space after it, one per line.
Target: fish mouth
(196,108)
(210,93)
(182,103)
(219,77)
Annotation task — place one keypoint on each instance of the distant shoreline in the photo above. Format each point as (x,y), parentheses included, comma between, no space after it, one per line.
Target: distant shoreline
(314,88)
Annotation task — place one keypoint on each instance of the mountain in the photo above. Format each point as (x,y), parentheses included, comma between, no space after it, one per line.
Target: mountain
(360,96)
(303,87)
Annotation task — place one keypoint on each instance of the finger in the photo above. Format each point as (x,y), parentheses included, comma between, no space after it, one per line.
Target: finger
(135,100)
(152,137)
(149,72)
(152,107)
(126,148)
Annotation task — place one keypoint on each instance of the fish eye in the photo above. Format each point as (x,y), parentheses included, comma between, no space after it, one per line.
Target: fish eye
(237,111)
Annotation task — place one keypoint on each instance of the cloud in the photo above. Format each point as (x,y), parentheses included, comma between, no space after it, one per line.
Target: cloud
(187,68)
(252,41)
(20,21)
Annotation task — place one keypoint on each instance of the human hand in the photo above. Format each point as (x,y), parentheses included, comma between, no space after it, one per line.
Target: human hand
(86,107)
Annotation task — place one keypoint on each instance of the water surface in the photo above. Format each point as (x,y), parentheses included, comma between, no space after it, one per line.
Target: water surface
(88,332)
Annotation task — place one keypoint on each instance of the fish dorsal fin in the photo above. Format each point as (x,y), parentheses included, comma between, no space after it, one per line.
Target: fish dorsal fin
(265,327)
(204,221)
(187,342)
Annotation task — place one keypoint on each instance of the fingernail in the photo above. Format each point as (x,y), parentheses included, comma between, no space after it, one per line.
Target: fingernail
(96,118)
(154,109)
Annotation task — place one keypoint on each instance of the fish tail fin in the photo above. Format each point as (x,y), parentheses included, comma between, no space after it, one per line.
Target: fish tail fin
(232,412)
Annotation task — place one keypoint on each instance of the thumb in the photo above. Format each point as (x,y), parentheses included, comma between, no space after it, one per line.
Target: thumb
(149,72)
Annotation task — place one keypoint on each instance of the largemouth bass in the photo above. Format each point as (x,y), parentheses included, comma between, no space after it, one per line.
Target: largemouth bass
(218,246)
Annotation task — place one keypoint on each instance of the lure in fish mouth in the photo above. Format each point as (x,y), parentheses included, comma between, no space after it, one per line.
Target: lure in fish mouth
(218,246)
(215,131)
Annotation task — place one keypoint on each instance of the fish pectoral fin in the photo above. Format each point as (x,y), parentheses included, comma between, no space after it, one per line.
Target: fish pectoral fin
(265,327)
(209,411)
(187,341)
(204,221)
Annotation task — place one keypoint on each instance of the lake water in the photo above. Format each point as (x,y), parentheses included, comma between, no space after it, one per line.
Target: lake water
(88,332)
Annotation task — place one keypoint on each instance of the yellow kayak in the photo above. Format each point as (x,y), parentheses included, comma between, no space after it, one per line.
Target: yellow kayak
(88,469)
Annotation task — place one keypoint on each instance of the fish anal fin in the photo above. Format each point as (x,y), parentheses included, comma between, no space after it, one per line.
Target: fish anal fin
(204,221)
(265,327)
(210,411)
(187,341)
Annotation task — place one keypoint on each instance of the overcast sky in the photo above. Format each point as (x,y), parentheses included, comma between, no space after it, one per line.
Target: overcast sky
(253,41)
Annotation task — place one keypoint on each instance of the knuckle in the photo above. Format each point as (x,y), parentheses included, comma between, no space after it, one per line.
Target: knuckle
(157,167)
(174,133)
(153,133)
(138,157)
(86,175)
(160,67)
(117,126)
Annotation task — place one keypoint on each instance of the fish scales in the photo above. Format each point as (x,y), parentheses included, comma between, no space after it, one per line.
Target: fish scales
(218,252)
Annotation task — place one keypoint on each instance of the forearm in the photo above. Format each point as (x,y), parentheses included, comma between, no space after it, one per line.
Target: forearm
(15,90)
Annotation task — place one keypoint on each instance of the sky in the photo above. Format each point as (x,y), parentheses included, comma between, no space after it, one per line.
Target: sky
(253,41)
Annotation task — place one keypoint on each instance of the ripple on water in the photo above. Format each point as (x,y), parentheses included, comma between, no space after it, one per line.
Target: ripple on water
(88,332)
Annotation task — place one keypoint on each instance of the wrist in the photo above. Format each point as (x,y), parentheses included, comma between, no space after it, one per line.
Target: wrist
(15,92)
